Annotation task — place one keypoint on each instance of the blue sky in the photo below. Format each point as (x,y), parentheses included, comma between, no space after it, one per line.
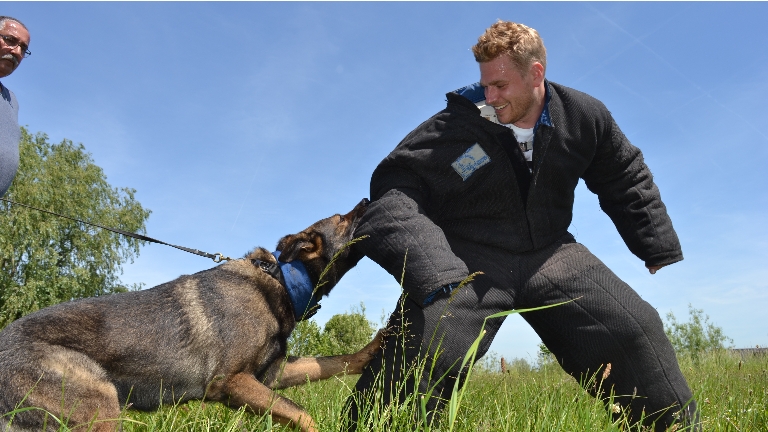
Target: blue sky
(238,123)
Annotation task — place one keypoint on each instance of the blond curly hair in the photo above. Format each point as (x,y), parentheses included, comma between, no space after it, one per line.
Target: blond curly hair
(522,43)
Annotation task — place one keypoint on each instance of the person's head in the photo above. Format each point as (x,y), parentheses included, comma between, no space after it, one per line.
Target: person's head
(14,44)
(512,62)
(521,43)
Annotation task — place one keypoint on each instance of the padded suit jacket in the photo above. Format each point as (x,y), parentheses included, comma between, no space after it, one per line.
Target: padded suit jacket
(422,205)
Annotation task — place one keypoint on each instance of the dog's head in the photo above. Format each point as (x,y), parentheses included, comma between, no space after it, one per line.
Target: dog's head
(317,246)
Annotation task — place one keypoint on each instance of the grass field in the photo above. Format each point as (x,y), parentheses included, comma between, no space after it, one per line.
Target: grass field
(732,394)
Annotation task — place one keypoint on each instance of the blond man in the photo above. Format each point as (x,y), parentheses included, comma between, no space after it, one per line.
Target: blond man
(487,185)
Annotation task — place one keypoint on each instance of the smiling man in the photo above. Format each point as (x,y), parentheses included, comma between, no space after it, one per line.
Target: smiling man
(14,47)
(487,185)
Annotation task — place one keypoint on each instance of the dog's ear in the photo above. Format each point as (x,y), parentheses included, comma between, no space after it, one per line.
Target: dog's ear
(291,246)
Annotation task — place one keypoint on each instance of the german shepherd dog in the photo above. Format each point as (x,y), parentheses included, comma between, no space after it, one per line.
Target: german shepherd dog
(218,335)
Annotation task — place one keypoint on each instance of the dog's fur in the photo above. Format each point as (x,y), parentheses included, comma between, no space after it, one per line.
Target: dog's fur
(219,334)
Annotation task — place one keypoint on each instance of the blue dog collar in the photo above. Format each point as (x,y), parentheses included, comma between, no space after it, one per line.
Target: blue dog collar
(299,287)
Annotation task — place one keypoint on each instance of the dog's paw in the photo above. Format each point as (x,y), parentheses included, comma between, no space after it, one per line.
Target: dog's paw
(360,359)
(375,345)
(378,340)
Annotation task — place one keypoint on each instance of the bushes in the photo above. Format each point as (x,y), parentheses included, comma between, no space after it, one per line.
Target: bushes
(343,334)
(696,336)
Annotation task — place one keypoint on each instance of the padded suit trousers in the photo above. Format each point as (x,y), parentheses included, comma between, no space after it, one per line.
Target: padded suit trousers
(607,322)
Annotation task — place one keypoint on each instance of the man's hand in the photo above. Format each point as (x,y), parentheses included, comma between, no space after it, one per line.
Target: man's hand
(654,269)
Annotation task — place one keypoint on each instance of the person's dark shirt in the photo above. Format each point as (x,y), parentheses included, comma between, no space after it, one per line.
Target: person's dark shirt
(10,134)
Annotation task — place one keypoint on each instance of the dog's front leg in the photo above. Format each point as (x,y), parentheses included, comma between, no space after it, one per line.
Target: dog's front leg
(299,370)
(244,390)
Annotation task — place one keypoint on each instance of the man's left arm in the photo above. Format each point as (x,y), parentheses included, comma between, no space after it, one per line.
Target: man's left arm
(627,193)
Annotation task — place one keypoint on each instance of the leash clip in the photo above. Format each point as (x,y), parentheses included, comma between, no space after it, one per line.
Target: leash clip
(219,257)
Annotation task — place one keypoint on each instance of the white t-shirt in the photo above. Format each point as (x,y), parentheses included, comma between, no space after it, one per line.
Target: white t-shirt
(524,136)
(525,139)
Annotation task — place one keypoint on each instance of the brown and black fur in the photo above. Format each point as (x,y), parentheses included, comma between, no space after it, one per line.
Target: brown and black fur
(219,334)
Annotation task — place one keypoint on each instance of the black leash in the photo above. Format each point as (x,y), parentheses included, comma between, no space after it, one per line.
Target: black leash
(217,257)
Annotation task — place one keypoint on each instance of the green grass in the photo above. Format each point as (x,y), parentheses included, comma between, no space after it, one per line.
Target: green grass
(732,395)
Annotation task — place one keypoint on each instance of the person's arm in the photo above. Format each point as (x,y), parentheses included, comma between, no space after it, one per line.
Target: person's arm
(628,194)
(403,239)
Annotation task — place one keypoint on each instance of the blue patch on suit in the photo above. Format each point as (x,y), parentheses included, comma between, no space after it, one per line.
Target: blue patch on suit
(472,159)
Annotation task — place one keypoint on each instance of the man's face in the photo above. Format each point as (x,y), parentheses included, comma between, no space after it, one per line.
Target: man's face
(510,92)
(10,58)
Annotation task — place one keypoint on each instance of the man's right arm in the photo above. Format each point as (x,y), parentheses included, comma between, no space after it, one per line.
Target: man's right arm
(403,239)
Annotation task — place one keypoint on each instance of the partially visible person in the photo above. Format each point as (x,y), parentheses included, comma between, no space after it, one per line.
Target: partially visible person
(14,46)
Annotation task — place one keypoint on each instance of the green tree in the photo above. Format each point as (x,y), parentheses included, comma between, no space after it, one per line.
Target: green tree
(347,333)
(343,334)
(696,336)
(545,358)
(306,339)
(46,259)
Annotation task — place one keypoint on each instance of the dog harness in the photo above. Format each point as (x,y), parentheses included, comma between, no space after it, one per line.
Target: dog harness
(295,278)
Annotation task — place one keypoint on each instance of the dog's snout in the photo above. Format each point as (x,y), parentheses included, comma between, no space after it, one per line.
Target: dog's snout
(359,210)
(361,206)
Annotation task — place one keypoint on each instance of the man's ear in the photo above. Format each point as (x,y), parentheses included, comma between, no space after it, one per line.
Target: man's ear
(291,246)
(537,73)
